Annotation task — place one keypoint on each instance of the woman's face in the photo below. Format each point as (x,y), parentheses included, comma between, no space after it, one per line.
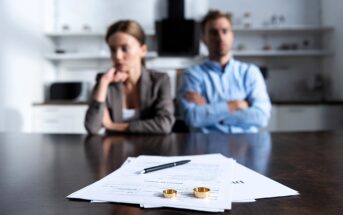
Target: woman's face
(126,51)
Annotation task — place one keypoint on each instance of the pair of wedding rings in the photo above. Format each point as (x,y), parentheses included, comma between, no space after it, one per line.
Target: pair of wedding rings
(199,192)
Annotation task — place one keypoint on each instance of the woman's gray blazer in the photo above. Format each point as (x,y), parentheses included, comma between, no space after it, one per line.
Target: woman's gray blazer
(156,105)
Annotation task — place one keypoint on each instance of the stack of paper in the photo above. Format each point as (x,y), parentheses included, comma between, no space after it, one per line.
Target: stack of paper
(228,182)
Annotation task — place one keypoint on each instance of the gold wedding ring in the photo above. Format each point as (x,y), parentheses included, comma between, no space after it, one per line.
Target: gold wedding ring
(201,192)
(169,193)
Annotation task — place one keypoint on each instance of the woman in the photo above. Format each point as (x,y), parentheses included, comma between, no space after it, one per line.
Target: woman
(128,97)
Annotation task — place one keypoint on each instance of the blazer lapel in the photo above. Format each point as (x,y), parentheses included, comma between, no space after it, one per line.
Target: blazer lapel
(145,89)
(117,103)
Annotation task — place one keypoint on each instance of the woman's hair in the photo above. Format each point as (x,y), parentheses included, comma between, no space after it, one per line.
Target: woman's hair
(129,27)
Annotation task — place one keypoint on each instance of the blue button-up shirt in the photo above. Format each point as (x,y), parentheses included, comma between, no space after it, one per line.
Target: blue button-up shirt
(236,81)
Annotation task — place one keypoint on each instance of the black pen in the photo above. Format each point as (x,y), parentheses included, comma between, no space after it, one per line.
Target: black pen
(164,166)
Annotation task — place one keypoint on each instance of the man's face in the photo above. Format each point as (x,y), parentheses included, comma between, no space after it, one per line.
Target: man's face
(218,37)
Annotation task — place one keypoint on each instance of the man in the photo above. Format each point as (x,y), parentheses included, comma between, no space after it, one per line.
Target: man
(223,94)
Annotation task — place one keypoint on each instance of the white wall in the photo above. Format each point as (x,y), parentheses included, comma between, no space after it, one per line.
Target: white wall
(21,65)
(195,9)
(2,67)
(333,16)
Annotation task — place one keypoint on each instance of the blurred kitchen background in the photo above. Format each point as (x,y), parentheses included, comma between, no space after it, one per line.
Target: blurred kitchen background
(51,50)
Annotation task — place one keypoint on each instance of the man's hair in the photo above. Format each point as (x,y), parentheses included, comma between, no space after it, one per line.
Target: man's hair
(213,15)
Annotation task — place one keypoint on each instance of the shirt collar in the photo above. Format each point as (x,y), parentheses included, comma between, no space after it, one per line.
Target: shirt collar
(215,66)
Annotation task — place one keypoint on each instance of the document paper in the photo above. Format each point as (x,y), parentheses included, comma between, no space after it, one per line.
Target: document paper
(228,181)
(126,185)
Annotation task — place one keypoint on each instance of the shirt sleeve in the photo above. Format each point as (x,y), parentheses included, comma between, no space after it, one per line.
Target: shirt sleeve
(194,115)
(258,113)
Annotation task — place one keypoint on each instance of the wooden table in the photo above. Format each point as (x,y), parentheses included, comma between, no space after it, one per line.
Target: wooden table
(38,171)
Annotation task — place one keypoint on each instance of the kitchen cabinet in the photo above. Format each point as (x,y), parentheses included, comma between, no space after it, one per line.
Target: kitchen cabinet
(300,117)
(57,118)
(311,117)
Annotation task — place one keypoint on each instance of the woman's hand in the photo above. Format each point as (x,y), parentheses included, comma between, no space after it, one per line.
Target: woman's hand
(110,125)
(106,120)
(110,76)
(114,76)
